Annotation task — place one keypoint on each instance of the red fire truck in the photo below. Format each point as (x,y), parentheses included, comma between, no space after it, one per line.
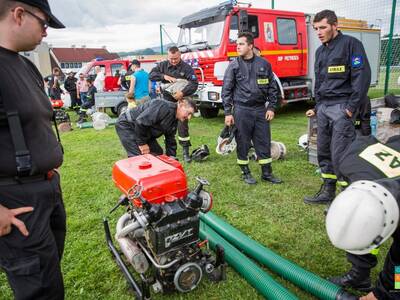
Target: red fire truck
(286,39)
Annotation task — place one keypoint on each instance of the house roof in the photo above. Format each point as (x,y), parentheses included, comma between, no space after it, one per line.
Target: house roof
(82,54)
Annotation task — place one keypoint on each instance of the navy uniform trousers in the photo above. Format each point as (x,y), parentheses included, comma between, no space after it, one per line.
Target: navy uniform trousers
(252,126)
(32,263)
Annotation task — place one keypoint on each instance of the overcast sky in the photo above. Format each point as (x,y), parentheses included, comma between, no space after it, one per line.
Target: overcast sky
(125,25)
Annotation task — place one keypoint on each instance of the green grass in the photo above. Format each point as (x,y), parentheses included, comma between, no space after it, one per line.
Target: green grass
(273,215)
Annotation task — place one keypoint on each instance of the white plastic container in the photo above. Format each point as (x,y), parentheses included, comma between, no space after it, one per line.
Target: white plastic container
(100,120)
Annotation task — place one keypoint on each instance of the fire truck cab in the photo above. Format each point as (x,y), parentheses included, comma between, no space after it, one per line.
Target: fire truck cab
(207,41)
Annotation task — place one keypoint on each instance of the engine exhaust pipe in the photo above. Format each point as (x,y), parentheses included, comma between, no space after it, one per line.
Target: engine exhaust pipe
(129,248)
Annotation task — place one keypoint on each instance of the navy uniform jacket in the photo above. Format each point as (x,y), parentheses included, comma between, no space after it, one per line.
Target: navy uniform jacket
(367,159)
(180,71)
(342,72)
(249,83)
(376,163)
(153,119)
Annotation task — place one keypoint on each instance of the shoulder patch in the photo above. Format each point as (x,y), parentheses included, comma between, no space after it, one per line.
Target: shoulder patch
(356,61)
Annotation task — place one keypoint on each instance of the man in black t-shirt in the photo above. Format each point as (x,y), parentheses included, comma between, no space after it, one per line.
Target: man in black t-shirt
(32,214)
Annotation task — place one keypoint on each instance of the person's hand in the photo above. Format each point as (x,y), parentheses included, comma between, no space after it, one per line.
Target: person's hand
(229,120)
(269,115)
(178,95)
(8,218)
(370,296)
(169,78)
(349,113)
(144,149)
(310,113)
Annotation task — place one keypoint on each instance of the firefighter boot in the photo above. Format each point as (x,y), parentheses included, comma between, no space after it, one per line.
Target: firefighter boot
(266,174)
(246,175)
(186,155)
(82,117)
(325,195)
(356,278)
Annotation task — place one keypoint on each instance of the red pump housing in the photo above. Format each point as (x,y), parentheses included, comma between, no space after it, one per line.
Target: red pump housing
(162,178)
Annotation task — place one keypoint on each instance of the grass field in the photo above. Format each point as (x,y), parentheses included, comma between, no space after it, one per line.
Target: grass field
(273,215)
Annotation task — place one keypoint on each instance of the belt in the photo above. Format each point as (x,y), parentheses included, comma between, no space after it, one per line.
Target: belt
(28,179)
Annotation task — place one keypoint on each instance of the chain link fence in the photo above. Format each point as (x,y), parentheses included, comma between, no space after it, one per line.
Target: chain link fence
(378,14)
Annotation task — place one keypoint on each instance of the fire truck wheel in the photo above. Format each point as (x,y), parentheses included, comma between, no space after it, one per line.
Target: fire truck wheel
(209,112)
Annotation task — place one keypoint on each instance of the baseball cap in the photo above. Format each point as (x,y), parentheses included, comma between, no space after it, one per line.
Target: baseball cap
(44,6)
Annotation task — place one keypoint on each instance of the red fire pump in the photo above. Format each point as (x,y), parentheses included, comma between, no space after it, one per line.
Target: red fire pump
(159,233)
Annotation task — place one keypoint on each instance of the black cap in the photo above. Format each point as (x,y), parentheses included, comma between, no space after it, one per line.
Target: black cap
(135,62)
(44,6)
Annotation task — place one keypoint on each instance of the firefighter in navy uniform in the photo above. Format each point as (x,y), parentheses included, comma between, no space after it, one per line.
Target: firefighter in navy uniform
(168,72)
(139,128)
(355,225)
(342,79)
(249,97)
(32,214)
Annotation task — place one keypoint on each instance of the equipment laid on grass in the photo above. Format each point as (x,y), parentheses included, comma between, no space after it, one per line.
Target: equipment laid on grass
(100,120)
(259,279)
(303,141)
(159,233)
(278,150)
(62,118)
(304,279)
(85,125)
(200,154)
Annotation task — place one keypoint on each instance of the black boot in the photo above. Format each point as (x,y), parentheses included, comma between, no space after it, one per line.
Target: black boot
(266,174)
(356,278)
(325,195)
(246,175)
(82,117)
(186,155)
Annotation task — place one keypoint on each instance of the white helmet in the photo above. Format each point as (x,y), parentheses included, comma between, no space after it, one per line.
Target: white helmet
(362,217)
(226,142)
(278,150)
(225,145)
(303,141)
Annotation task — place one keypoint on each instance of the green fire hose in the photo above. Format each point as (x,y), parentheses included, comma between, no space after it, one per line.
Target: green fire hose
(260,280)
(304,279)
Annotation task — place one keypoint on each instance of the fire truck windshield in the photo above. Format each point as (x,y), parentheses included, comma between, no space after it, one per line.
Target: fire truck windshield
(206,36)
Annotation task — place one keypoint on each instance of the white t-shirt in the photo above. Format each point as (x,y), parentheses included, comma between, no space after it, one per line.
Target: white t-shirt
(99,81)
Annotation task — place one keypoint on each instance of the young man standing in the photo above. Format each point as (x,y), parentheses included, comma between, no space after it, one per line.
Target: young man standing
(249,96)
(342,79)
(32,215)
(139,85)
(343,76)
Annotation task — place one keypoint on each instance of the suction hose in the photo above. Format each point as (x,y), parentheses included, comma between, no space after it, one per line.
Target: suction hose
(306,280)
(260,280)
